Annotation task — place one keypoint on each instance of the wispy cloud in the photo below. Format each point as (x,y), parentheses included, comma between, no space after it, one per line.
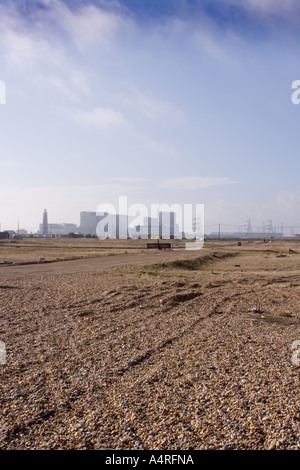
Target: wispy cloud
(72,85)
(8,163)
(96,118)
(184,183)
(277,7)
(90,25)
(42,44)
(154,108)
(288,10)
(24,43)
(194,182)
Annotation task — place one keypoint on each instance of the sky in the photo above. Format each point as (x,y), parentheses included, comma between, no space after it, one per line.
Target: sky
(162,101)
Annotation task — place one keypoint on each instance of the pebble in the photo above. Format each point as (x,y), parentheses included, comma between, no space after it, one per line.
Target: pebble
(94,363)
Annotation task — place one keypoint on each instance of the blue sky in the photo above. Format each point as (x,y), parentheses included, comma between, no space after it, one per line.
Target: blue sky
(171,101)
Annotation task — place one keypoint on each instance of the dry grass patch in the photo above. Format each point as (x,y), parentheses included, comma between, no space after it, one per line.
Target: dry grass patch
(46,250)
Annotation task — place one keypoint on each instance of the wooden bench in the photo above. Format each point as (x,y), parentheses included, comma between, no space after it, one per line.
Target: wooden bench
(159,246)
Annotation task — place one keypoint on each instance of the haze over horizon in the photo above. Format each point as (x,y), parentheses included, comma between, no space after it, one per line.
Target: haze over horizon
(179,101)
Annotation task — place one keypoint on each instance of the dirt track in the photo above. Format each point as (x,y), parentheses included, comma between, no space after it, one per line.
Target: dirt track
(96,263)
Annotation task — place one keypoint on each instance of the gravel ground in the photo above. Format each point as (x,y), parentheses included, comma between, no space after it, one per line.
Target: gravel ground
(162,357)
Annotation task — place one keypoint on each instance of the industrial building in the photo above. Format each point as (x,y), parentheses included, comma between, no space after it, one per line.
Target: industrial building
(55,230)
(88,222)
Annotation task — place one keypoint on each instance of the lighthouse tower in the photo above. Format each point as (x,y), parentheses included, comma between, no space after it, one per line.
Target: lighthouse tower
(45,224)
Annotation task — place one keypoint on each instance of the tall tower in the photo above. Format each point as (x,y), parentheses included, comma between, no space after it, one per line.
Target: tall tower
(248,227)
(45,224)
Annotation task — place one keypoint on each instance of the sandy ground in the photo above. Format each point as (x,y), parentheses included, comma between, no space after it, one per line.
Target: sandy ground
(94,264)
(120,353)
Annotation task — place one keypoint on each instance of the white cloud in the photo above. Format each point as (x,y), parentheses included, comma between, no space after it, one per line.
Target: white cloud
(155,108)
(287,8)
(194,182)
(90,25)
(157,147)
(74,86)
(176,183)
(149,105)
(26,44)
(8,163)
(24,51)
(200,32)
(42,46)
(101,118)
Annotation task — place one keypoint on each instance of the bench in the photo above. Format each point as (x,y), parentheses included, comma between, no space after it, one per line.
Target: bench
(159,246)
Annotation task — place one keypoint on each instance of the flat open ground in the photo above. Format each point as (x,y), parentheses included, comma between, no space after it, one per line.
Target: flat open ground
(150,350)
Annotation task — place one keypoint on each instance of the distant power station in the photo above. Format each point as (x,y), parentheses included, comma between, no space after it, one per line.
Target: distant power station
(89,222)
(158,227)
(49,230)
(165,223)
